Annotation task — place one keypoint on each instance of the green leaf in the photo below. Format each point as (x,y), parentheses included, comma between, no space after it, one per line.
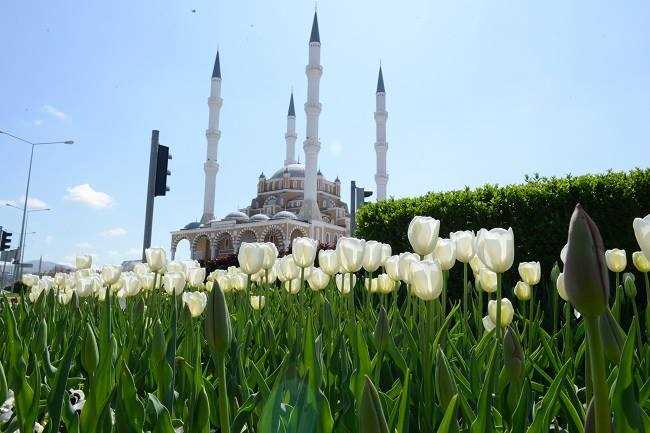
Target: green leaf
(58,392)
(481,423)
(161,421)
(449,419)
(543,417)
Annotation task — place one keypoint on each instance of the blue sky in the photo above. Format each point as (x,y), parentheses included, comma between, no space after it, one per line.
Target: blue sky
(480,91)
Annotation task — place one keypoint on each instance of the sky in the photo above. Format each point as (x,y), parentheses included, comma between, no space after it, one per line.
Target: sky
(477,92)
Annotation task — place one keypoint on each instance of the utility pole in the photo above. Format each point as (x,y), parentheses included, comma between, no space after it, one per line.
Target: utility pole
(157,183)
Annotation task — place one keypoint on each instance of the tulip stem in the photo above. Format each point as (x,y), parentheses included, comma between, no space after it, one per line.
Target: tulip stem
(597,364)
(531,316)
(224,410)
(498,333)
(464,290)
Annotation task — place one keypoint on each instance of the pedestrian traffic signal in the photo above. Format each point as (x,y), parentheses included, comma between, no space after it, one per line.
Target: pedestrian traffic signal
(5,240)
(161,171)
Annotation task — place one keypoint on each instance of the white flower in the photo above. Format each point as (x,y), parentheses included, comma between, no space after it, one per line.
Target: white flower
(196,277)
(174,283)
(464,241)
(288,269)
(563,253)
(488,280)
(642,233)
(350,252)
(386,283)
(195,301)
(270,255)
(7,407)
(258,302)
(530,272)
(132,285)
(83,261)
(156,258)
(386,252)
(328,260)
(616,260)
(640,261)
(404,265)
(560,287)
(372,256)
(371,284)
(250,257)
(110,274)
(476,264)
(292,286)
(426,279)
(30,280)
(523,291)
(141,268)
(239,281)
(318,279)
(343,283)
(423,234)
(215,274)
(77,399)
(488,324)
(391,265)
(445,253)
(496,248)
(303,251)
(507,311)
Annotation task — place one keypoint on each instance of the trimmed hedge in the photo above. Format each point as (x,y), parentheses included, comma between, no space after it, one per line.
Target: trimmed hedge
(538,211)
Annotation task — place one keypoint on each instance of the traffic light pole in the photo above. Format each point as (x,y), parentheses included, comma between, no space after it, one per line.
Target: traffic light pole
(353,207)
(151,186)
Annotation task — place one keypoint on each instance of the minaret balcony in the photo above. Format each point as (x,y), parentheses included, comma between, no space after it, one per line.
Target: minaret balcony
(381,146)
(213,134)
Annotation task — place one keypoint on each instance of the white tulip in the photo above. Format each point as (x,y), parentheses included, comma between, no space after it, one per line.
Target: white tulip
(404,265)
(616,260)
(132,285)
(30,280)
(560,287)
(391,265)
(141,268)
(250,257)
(343,283)
(224,282)
(642,233)
(426,279)
(476,264)
(175,266)
(507,311)
(35,293)
(148,279)
(496,248)
(303,251)
(65,296)
(59,279)
(46,283)
(318,279)
(110,274)
(371,284)
(488,280)
(85,287)
(640,261)
(288,268)
(196,302)
(530,272)
(563,253)
(445,253)
(258,302)
(386,283)
(83,261)
(372,255)
(216,273)
(350,252)
(488,324)
(174,283)
(423,234)
(386,252)
(196,276)
(270,255)
(156,258)
(464,242)
(328,260)
(523,291)
(233,270)
(98,287)
(239,281)
(292,286)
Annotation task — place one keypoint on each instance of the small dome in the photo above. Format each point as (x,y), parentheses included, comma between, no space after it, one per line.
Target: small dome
(293,170)
(192,225)
(262,176)
(259,217)
(236,216)
(285,214)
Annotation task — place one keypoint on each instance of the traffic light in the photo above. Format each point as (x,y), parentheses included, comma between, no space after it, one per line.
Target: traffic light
(5,240)
(161,171)
(361,196)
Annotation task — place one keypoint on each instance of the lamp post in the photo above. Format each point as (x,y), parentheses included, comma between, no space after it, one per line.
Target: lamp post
(29,176)
(21,246)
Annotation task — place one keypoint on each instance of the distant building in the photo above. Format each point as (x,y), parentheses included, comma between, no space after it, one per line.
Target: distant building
(297,200)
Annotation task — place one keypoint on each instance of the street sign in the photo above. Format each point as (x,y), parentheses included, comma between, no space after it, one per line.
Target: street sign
(10,255)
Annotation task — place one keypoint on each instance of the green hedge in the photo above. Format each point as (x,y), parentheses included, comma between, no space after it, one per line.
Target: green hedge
(538,211)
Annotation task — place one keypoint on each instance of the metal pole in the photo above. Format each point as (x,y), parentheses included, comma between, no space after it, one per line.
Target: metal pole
(22,226)
(148,217)
(2,280)
(353,207)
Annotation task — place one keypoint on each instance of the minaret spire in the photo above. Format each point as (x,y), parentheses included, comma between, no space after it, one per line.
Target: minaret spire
(212,134)
(381,146)
(309,210)
(290,136)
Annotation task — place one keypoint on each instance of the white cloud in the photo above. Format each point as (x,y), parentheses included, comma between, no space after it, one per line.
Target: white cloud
(85,194)
(335,147)
(55,112)
(114,232)
(33,203)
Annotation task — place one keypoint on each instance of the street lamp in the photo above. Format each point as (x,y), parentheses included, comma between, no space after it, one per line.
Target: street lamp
(22,246)
(29,176)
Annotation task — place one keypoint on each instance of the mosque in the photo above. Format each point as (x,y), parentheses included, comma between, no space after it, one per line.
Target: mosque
(297,199)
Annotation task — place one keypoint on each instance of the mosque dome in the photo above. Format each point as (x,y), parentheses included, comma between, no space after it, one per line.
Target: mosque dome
(294,170)
(285,214)
(260,217)
(237,216)
(192,225)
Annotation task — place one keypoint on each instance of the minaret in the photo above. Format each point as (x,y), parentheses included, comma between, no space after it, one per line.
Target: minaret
(290,136)
(210,167)
(309,210)
(381,177)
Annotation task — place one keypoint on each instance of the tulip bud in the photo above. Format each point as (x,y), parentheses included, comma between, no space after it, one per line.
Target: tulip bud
(630,285)
(391,265)
(445,253)
(89,351)
(303,251)
(641,262)
(561,289)
(612,336)
(382,330)
(257,302)
(642,233)
(328,261)
(426,280)
(343,283)
(616,260)
(385,283)
(496,248)
(523,291)
(195,302)
(371,414)
(196,276)
(555,271)
(218,330)
(507,311)
(270,255)
(404,265)
(386,252)
(423,234)
(530,272)
(585,274)
(110,274)
(318,279)
(174,283)
(464,242)
(372,255)
(513,355)
(488,280)
(156,258)
(350,252)
(250,257)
